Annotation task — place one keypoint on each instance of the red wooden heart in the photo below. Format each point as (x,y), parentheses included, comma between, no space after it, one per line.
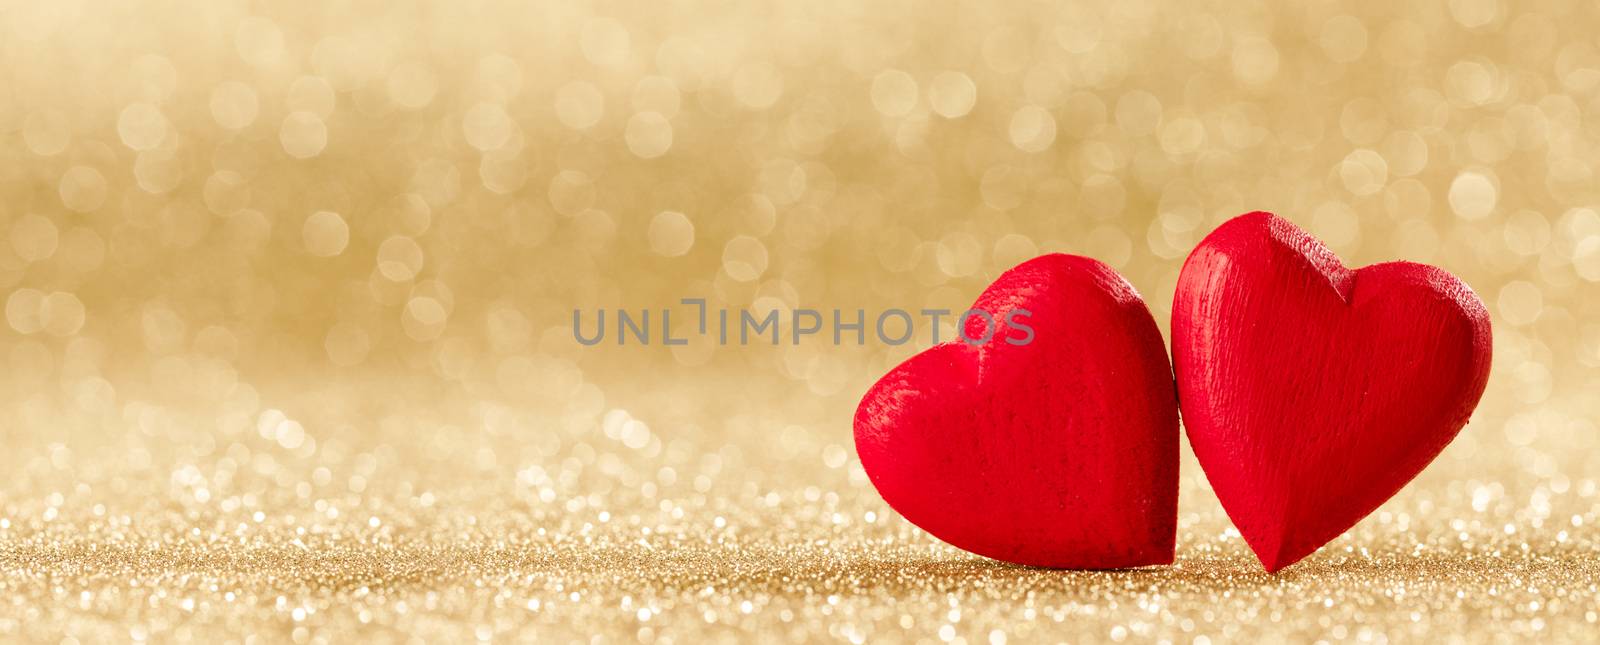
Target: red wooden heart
(1311,393)
(1062,452)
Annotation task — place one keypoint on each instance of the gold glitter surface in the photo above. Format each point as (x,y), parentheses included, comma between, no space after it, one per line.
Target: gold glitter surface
(289,292)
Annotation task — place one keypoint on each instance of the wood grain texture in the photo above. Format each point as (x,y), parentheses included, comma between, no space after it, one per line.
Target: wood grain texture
(1312,393)
(1059,453)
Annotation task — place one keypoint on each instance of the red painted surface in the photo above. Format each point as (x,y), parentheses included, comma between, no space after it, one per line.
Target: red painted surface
(1059,453)
(1312,393)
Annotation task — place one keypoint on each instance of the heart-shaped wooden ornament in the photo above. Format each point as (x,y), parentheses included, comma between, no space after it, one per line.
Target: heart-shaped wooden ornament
(1061,451)
(1312,393)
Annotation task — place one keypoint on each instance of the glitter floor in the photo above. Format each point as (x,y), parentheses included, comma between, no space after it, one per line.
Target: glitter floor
(210,527)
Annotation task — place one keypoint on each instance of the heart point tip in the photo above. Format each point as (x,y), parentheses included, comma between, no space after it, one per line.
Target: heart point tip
(1280,561)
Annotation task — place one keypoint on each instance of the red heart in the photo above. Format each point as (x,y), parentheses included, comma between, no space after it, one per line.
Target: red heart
(1062,452)
(1311,393)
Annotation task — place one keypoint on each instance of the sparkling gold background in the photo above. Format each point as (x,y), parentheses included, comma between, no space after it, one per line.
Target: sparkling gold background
(288,294)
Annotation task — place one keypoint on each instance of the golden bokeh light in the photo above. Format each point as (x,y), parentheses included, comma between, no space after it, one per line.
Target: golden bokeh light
(289,294)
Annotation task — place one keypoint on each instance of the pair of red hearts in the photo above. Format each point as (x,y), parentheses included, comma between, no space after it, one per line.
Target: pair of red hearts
(1311,394)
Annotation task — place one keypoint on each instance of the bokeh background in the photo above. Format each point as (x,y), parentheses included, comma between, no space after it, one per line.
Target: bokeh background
(288,292)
